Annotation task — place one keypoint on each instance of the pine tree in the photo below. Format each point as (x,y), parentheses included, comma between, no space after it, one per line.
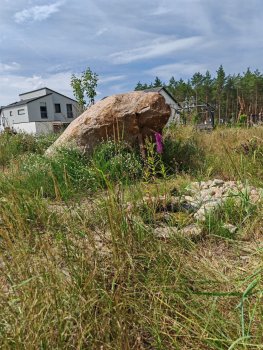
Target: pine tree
(139,86)
(219,88)
(157,82)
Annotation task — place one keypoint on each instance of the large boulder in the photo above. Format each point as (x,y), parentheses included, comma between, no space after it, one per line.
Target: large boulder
(131,117)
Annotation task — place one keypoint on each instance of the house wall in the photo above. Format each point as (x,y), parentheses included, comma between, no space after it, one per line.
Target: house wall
(175,116)
(44,128)
(63,101)
(34,109)
(33,94)
(29,128)
(35,128)
(15,118)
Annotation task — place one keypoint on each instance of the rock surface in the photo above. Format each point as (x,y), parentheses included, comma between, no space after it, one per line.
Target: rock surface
(131,117)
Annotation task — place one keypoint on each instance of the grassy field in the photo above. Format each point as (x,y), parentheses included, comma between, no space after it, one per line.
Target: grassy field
(78,270)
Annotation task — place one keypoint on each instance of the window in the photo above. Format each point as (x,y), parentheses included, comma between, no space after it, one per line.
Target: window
(57,108)
(69,111)
(21,112)
(11,113)
(43,110)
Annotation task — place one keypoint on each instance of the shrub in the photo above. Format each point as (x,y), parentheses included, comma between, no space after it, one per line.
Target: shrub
(117,161)
(242,119)
(181,155)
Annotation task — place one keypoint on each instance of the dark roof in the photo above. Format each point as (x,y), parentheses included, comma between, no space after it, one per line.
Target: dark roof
(24,102)
(29,92)
(159,89)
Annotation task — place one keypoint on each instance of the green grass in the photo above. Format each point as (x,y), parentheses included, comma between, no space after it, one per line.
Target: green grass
(78,270)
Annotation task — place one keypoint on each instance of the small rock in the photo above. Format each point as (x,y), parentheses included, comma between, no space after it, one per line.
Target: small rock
(231,228)
(217,183)
(191,230)
(200,214)
(165,232)
(189,199)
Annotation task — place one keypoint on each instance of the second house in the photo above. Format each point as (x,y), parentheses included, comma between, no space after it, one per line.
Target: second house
(39,111)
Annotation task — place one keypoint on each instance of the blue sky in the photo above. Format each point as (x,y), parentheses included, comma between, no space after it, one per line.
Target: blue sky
(42,42)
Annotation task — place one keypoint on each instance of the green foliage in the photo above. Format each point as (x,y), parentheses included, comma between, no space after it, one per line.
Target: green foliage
(181,155)
(222,91)
(243,119)
(85,85)
(70,172)
(117,161)
(78,91)
(237,211)
(157,83)
(153,165)
(59,177)
(14,145)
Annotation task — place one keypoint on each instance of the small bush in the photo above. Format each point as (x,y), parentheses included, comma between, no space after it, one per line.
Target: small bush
(243,119)
(117,161)
(181,155)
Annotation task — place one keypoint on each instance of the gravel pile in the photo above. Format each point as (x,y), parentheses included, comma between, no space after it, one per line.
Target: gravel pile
(206,196)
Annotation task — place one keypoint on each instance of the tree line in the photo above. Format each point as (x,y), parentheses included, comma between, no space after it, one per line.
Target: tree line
(236,98)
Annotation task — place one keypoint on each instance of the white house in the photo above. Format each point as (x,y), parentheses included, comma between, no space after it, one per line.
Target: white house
(39,111)
(171,101)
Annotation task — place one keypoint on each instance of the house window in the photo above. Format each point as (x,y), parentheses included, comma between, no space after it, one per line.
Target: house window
(57,108)
(11,113)
(43,110)
(69,111)
(21,112)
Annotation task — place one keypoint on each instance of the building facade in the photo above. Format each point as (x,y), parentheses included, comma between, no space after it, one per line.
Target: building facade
(39,111)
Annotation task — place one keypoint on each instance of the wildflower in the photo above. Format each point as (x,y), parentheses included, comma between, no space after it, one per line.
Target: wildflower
(159,142)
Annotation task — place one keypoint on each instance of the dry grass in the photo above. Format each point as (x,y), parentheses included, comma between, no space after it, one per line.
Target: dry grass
(86,274)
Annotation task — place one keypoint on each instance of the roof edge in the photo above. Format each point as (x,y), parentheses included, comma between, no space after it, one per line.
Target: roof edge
(12,105)
(29,92)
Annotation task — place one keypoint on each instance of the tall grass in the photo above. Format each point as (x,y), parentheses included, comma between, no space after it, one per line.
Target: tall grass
(12,146)
(78,270)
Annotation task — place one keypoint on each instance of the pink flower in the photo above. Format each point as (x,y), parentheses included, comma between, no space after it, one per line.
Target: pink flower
(159,142)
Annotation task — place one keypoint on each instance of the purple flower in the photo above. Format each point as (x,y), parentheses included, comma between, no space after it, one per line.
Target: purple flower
(159,142)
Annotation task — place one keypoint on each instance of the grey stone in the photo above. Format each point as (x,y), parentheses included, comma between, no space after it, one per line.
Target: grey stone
(231,228)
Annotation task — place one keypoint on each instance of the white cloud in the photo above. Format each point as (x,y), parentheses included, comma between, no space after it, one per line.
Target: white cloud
(9,67)
(110,79)
(157,48)
(12,85)
(177,69)
(37,13)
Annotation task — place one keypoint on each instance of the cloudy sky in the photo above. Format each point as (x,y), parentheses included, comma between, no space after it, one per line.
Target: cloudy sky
(42,42)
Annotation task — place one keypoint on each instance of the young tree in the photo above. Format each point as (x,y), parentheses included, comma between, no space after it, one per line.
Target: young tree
(86,84)
(90,82)
(78,91)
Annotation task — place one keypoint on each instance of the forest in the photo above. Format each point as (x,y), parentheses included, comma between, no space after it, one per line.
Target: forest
(237,98)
